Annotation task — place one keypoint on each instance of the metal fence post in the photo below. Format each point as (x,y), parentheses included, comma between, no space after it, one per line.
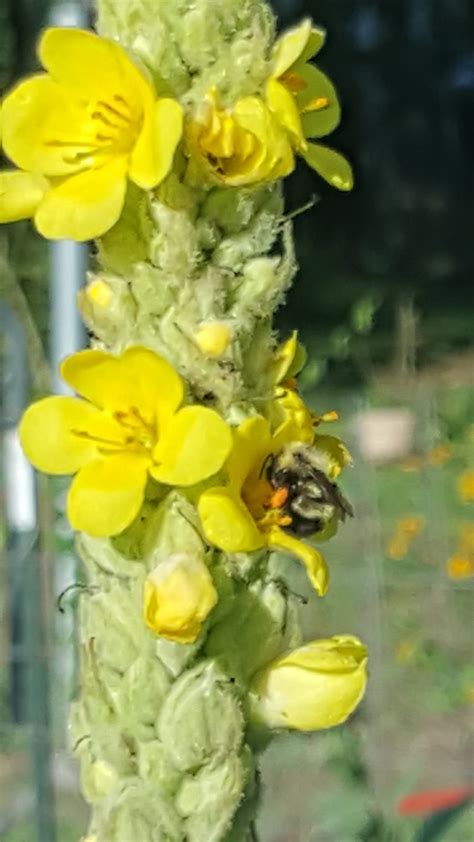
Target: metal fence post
(30,637)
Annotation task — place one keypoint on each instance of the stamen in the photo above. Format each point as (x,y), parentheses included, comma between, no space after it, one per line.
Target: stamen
(118,98)
(294,82)
(142,432)
(317,104)
(97,115)
(83,434)
(78,158)
(274,518)
(103,138)
(125,118)
(64,144)
(327,417)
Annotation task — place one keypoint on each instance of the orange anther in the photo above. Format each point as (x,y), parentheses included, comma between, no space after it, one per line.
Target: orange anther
(316,104)
(294,82)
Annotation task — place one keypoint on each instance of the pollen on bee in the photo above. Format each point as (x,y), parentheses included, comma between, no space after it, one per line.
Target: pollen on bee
(279,498)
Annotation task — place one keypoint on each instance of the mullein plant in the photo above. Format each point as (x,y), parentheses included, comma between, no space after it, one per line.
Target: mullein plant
(195,461)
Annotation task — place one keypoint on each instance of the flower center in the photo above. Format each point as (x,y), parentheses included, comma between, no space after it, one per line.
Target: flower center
(116,126)
(136,434)
(225,144)
(111,127)
(140,434)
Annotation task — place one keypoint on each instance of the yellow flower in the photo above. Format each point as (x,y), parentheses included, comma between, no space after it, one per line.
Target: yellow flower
(248,514)
(239,146)
(466,487)
(79,130)
(288,360)
(128,427)
(305,102)
(459,566)
(179,595)
(316,686)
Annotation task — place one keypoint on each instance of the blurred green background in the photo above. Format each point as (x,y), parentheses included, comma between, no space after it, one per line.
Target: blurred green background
(384,304)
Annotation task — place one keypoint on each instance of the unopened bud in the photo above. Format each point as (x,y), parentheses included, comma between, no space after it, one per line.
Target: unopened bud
(213,338)
(99,293)
(179,595)
(314,687)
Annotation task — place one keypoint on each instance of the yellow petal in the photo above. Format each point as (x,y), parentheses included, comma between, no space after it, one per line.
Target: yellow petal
(330,165)
(334,454)
(293,419)
(252,443)
(283,359)
(90,66)
(290,46)
(51,434)
(227,523)
(193,447)
(84,206)
(44,130)
(315,42)
(273,156)
(313,560)
(20,194)
(179,596)
(139,378)
(283,105)
(106,495)
(314,687)
(152,156)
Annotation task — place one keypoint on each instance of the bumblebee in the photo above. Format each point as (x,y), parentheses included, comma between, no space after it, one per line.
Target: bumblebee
(307,495)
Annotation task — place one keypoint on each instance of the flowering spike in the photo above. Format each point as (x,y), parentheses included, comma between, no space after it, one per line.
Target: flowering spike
(195,458)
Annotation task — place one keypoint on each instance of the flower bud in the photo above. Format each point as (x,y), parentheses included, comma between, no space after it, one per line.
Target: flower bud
(314,687)
(213,339)
(99,293)
(179,595)
(201,719)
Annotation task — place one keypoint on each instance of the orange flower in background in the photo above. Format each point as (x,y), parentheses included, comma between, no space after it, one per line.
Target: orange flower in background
(411,525)
(406,530)
(465,486)
(439,454)
(412,464)
(460,566)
